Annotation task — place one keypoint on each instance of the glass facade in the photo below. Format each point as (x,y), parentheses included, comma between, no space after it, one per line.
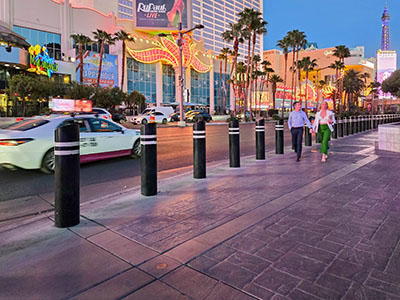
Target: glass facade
(200,88)
(125,9)
(219,92)
(168,84)
(142,78)
(52,41)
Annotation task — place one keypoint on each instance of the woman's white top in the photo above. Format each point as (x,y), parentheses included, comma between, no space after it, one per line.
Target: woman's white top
(319,119)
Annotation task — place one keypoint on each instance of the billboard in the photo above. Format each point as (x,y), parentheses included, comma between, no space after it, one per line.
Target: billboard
(161,14)
(386,65)
(109,70)
(70,105)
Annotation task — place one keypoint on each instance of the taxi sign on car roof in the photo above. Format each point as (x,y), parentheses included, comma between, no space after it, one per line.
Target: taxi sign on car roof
(70,105)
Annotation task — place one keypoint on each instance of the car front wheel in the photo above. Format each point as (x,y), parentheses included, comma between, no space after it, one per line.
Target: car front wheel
(144,121)
(48,162)
(136,149)
(164,121)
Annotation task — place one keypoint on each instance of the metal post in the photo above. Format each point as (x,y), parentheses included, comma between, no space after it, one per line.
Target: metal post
(67,170)
(148,159)
(180,76)
(234,144)
(374,121)
(199,149)
(307,137)
(317,141)
(335,131)
(260,139)
(340,127)
(346,124)
(279,142)
(362,124)
(351,126)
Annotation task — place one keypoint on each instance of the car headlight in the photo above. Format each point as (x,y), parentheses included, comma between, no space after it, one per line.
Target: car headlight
(14,142)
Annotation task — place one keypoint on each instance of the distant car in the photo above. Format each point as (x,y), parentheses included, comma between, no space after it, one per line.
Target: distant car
(159,117)
(175,117)
(29,144)
(119,118)
(194,116)
(101,112)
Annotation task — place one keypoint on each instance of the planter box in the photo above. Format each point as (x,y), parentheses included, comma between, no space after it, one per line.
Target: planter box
(389,137)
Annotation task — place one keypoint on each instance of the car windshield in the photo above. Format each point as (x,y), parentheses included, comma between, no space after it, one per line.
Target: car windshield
(26,124)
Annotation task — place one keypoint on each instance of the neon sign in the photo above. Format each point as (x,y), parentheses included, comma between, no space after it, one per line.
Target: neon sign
(40,62)
(166,50)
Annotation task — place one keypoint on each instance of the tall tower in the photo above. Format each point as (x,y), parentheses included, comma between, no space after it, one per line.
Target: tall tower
(385,43)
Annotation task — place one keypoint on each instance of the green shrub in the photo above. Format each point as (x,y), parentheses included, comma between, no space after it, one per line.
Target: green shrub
(272,112)
(276,117)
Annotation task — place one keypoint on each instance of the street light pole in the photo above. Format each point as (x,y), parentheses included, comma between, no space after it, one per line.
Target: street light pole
(180,78)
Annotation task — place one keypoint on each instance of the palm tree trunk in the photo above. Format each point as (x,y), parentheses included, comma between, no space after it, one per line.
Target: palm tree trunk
(80,63)
(248,79)
(123,65)
(305,93)
(225,96)
(273,94)
(284,89)
(100,63)
(293,74)
(220,83)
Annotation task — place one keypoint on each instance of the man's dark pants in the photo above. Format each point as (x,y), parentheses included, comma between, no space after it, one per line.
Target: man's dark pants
(297,139)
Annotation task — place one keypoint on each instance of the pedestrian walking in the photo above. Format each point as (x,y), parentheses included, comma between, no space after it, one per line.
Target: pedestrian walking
(324,119)
(296,121)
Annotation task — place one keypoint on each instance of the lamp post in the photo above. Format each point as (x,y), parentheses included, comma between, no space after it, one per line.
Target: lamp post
(179,42)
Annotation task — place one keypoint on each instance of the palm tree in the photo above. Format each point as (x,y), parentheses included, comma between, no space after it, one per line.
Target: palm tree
(374,86)
(337,66)
(353,85)
(80,40)
(226,52)
(364,76)
(308,65)
(124,37)
(341,52)
(241,71)
(235,34)
(284,44)
(275,79)
(102,38)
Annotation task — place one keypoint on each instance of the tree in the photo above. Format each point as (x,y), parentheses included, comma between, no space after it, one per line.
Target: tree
(254,78)
(275,79)
(235,34)
(108,98)
(284,44)
(136,99)
(76,90)
(226,52)
(341,52)
(392,84)
(102,38)
(220,57)
(374,86)
(25,88)
(124,37)
(308,65)
(338,66)
(241,71)
(353,85)
(80,40)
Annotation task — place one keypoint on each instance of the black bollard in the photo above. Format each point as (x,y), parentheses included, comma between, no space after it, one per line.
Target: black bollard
(307,137)
(199,150)
(346,126)
(374,122)
(350,126)
(260,139)
(148,159)
(279,142)
(340,127)
(335,131)
(317,141)
(66,175)
(357,123)
(234,144)
(362,124)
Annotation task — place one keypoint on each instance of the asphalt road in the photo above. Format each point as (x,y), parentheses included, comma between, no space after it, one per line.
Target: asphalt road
(174,151)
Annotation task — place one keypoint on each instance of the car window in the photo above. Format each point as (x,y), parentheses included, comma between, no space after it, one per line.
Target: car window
(26,124)
(98,111)
(159,114)
(101,125)
(83,126)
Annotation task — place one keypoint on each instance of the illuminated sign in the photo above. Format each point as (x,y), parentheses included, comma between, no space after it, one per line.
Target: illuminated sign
(109,70)
(161,14)
(40,62)
(70,105)
(166,50)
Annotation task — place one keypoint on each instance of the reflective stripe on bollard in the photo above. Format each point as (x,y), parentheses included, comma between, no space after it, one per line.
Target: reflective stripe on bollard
(234,144)
(148,159)
(260,139)
(279,142)
(66,175)
(199,150)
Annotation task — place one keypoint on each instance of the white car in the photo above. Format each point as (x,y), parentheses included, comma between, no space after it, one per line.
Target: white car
(29,144)
(159,117)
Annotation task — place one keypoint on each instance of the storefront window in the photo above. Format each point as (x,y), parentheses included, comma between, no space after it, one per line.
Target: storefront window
(168,84)
(200,91)
(52,41)
(142,78)
(219,92)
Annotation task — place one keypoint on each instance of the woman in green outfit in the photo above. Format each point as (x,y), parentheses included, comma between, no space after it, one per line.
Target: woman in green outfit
(324,119)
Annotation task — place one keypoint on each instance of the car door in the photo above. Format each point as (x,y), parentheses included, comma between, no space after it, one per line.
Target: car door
(159,117)
(110,136)
(88,139)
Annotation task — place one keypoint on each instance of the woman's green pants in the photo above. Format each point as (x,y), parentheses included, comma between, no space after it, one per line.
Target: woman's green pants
(324,135)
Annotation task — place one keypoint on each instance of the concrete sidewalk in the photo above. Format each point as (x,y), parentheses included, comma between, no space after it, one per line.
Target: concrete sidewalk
(273,229)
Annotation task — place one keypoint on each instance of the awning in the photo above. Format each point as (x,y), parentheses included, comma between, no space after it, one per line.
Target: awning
(12,39)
